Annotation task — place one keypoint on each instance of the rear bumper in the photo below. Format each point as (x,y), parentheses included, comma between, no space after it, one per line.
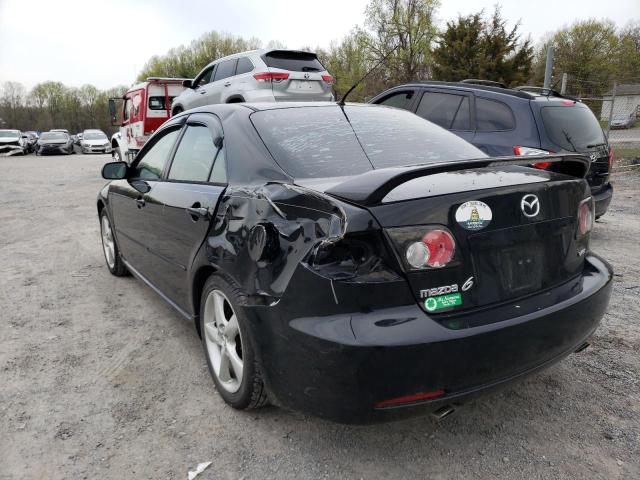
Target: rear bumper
(340,366)
(602,199)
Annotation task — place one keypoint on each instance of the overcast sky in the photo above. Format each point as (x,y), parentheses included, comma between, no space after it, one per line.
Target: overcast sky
(106,43)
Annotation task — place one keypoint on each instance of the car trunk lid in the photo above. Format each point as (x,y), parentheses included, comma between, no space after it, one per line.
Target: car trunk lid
(514,254)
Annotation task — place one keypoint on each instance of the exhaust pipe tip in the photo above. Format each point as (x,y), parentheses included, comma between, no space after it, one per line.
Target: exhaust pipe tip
(443,412)
(582,347)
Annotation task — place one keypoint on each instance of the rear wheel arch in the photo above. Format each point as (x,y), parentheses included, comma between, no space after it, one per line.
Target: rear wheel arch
(176,110)
(197,285)
(235,99)
(100,206)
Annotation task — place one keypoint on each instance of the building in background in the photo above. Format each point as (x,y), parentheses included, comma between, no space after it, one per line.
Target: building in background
(626,101)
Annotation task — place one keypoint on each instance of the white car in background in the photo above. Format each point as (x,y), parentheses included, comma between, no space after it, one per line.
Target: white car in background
(12,143)
(258,76)
(95,141)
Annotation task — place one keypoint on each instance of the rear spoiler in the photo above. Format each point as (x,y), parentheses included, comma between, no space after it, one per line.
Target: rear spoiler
(371,187)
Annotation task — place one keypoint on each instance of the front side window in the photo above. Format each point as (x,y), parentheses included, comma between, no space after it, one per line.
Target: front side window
(398,100)
(127,109)
(205,78)
(194,156)
(493,116)
(152,164)
(448,110)
(225,69)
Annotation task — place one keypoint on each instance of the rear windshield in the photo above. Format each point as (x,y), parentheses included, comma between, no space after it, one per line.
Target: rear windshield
(94,136)
(573,128)
(53,136)
(157,103)
(318,142)
(293,61)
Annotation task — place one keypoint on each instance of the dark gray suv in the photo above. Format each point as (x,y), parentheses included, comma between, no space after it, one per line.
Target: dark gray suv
(506,121)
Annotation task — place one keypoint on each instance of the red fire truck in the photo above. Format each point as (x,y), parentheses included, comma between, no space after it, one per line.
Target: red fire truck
(140,112)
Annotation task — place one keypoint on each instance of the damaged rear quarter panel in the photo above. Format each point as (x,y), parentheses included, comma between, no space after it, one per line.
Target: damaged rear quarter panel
(262,233)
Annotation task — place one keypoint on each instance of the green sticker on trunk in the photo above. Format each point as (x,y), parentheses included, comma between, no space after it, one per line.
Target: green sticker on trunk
(433,304)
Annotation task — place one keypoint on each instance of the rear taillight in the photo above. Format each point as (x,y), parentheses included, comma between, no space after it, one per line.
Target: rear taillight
(424,248)
(328,79)
(530,151)
(610,158)
(585,216)
(270,76)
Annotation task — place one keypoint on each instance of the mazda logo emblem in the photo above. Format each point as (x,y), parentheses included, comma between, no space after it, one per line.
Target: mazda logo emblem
(530,205)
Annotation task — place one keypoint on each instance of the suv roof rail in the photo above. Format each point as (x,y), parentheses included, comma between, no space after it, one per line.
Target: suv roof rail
(545,92)
(488,83)
(165,79)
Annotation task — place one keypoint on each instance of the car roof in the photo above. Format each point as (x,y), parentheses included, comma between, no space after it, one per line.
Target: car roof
(259,52)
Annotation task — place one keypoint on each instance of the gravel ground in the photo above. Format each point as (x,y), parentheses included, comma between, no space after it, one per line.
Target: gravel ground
(100,379)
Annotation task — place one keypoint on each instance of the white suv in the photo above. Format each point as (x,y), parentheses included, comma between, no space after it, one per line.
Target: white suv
(258,76)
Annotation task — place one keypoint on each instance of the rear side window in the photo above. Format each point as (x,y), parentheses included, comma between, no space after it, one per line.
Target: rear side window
(450,111)
(572,127)
(244,66)
(293,61)
(317,142)
(152,164)
(194,156)
(398,100)
(225,69)
(493,116)
(157,103)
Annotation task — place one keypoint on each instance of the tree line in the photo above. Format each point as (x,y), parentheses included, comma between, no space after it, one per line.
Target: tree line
(402,35)
(53,105)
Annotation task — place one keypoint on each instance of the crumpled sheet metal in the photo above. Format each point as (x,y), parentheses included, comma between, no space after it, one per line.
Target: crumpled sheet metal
(298,220)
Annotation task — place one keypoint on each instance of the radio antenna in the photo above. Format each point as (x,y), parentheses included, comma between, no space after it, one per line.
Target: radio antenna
(384,59)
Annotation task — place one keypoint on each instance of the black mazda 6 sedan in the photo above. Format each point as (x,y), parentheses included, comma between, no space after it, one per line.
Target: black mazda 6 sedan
(356,262)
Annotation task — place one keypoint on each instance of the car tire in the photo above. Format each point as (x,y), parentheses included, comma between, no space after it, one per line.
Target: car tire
(177,111)
(228,343)
(110,247)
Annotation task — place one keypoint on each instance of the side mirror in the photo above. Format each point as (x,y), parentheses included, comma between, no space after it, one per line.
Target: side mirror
(114,170)
(113,112)
(187,83)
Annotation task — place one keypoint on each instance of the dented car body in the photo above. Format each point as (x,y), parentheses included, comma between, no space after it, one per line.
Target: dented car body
(383,273)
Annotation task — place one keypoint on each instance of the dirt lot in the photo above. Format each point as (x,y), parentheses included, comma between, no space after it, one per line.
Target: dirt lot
(100,379)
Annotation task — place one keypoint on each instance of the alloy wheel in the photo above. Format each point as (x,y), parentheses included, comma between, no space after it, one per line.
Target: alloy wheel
(108,244)
(223,340)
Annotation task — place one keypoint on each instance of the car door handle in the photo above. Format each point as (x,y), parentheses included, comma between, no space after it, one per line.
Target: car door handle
(202,92)
(198,212)
(227,84)
(140,202)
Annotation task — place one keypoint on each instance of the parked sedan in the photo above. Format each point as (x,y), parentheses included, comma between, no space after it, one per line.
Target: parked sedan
(623,120)
(54,142)
(355,262)
(95,141)
(31,139)
(12,143)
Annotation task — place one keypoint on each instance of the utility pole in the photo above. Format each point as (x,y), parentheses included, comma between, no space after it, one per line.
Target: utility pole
(548,68)
(613,99)
(563,88)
